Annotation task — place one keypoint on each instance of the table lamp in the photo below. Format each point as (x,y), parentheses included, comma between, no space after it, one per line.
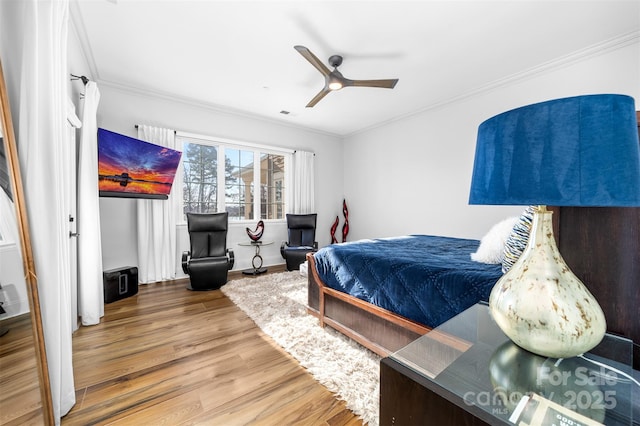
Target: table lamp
(577,151)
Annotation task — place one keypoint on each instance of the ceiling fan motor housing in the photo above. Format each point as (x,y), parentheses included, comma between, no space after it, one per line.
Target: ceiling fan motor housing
(335,60)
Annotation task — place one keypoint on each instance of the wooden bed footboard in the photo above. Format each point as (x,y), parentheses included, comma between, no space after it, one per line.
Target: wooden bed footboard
(375,328)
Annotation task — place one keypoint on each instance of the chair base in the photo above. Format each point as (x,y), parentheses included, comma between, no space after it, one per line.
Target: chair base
(215,287)
(254,272)
(189,287)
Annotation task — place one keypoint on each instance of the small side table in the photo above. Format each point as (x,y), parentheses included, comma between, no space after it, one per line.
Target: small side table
(256,261)
(466,371)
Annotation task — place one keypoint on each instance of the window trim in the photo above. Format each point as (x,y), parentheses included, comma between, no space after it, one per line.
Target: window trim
(237,143)
(257,149)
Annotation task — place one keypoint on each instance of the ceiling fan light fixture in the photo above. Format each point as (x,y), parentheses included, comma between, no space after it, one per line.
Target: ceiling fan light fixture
(335,81)
(335,85)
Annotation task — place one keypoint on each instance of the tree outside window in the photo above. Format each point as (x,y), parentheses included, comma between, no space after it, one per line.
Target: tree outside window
(199,188)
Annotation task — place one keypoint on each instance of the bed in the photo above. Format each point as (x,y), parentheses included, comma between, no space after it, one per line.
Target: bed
(384,293)
(601,245)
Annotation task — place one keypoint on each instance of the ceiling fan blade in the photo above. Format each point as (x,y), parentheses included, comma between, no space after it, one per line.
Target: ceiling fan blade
(385,84)
(313,60)
(321,94)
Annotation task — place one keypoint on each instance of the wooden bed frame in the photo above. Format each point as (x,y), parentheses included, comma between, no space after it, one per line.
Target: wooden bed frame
(601,245)
(375,328)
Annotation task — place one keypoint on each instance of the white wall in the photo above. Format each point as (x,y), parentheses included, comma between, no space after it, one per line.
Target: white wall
(413,175)
(121,110)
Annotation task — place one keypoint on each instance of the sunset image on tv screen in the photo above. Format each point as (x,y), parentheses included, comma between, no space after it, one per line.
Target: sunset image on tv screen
(132,167)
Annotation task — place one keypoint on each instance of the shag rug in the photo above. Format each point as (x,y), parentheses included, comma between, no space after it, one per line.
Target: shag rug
(277,304)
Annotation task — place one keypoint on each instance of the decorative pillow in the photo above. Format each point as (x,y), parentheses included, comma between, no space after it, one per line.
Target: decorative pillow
(491,247)
(517,240)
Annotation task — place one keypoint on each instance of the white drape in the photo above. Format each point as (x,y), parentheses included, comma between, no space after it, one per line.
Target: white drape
(90,284)
(303,194)
(44,161)
(157,246)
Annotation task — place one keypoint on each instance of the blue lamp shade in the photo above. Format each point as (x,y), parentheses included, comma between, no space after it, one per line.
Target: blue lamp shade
(578,151)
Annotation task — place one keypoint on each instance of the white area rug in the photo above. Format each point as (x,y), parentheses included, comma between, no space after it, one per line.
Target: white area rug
(277,304)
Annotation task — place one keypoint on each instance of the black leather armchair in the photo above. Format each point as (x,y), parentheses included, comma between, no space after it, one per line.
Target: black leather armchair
(209,259)
(302,235)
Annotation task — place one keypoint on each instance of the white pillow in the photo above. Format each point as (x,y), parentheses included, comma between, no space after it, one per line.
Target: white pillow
(491,249)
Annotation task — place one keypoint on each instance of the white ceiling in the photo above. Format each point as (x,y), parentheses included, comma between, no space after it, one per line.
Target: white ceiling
(239,55)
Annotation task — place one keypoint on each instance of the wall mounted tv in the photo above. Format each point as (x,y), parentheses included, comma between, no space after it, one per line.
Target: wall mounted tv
(132,168)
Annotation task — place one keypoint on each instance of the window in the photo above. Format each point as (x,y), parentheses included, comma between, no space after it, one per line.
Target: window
(244,172)
(271,186)
(200,178)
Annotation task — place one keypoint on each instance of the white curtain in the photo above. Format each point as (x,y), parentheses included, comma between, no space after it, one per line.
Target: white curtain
(157,219)
(90,284)
(303,195)
(44,161)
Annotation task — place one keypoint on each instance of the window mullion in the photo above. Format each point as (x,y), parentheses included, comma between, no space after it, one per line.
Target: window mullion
(288,183)
(257,187)
(222,185)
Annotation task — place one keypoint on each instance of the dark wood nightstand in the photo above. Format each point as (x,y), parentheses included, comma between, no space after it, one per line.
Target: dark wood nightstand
(467,372)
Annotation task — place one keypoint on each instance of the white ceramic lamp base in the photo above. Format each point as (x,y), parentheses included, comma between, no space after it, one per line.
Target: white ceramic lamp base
(541,305)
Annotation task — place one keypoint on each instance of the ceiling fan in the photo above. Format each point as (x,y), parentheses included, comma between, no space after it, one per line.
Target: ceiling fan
(334,80)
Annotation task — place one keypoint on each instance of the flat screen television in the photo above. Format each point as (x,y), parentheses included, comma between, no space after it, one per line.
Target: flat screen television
(132,168)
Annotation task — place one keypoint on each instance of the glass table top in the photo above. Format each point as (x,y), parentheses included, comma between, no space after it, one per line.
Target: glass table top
(255,243)
(472,358)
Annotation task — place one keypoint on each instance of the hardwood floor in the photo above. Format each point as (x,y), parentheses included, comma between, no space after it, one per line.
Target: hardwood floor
(20,402)
(173,356)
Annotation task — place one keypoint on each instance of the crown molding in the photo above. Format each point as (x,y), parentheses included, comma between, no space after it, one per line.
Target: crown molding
(546,67)
(221,109)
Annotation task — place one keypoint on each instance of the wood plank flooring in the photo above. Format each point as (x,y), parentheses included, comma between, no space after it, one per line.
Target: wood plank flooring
(20,400)
(172,356)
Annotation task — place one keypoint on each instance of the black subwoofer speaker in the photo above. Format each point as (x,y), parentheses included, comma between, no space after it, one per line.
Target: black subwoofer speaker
(120,283)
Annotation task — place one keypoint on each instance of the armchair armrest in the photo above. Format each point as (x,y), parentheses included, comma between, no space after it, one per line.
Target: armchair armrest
(185,261)
(232,258)
(282,247)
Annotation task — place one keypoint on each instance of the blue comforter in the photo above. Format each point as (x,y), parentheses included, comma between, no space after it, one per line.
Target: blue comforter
(425,278)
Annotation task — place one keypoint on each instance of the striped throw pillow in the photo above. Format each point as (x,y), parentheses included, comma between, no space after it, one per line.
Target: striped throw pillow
(517,240)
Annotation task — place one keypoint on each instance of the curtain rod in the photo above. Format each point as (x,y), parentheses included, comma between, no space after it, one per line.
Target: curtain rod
(239,143)
(84,79)
(174,132)
(185,134)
